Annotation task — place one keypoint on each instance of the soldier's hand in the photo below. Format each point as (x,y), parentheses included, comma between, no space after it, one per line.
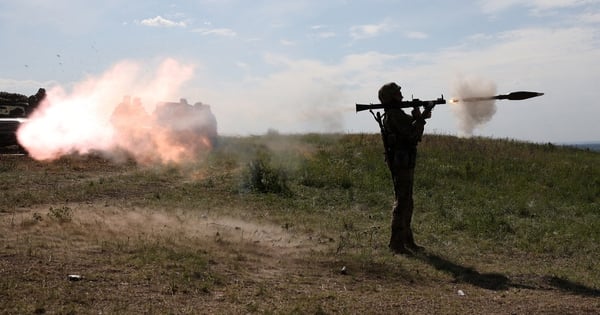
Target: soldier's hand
(426,114)
(416,112)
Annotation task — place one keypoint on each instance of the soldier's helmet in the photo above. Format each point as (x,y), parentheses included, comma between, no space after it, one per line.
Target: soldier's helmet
(387,92)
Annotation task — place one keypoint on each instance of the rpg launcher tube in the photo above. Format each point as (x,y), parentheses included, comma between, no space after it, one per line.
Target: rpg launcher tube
(513,96)
(405,104)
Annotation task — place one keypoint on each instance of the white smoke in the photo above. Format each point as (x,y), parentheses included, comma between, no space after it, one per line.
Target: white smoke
(94,116)
(473,114)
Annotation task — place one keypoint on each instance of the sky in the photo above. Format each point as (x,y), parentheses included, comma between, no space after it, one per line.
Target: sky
(301,66)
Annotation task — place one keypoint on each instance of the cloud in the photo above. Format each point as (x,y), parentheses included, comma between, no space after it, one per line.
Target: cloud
(493,6)
(322,32)
(416,35)
(286,42)
(242,65)
(535,59)
(590,18)
(326,34)
(304,95)
(553,4)
(224,32)
(307,95)
(369,30)
(159,21)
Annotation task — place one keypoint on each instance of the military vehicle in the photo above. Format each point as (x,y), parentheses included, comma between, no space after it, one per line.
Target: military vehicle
(192,128)
(186,121)
(14,110)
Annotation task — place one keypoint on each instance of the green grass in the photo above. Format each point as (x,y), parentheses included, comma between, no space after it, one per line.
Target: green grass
(493,214)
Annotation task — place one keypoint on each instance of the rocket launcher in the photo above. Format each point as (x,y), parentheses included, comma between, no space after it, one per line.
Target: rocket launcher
(513,96)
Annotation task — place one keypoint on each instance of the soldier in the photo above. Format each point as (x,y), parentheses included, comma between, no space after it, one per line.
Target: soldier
(401,133)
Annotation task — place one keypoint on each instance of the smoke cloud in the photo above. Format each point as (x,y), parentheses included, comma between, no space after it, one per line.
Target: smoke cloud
(475,113)
(98,115)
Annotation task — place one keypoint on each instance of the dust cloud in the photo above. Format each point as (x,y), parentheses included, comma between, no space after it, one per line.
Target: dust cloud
(473,114)
(97,115)
(178,226)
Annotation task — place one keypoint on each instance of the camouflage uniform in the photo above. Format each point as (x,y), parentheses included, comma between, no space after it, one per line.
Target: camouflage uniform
(402,133)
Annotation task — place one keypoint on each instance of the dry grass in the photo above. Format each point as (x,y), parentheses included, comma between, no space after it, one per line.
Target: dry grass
(189,240)
(136,260)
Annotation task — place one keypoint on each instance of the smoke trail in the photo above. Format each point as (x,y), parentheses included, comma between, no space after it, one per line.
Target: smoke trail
(473,114)
(96,117)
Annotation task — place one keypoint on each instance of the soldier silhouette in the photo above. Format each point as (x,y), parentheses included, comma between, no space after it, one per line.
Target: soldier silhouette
(401,134)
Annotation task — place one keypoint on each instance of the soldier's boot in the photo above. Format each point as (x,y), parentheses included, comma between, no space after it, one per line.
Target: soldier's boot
(409,241)
(397,244)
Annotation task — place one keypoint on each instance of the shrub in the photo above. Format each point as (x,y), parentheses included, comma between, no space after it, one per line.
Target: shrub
(62,215)
(263,178)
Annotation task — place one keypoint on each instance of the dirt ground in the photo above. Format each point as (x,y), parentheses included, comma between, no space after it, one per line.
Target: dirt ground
(217,265)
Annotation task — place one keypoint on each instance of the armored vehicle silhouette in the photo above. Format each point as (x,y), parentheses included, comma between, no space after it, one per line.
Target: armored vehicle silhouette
(14,110)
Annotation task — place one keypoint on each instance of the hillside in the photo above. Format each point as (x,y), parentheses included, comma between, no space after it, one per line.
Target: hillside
(299,224)
(593,146)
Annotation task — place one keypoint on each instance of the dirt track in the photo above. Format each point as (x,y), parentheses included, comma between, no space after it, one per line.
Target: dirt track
(242,267)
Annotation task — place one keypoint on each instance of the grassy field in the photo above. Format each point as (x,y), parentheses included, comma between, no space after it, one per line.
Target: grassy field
(299,224)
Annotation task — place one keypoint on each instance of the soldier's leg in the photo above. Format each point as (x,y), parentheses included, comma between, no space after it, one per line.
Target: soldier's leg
(408,238)
(402,211)
(396,244)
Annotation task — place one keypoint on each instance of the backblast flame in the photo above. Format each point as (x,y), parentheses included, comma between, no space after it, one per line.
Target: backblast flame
(95,117)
